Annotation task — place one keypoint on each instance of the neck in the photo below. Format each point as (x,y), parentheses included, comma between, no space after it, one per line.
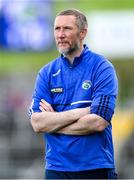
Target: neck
(77,53)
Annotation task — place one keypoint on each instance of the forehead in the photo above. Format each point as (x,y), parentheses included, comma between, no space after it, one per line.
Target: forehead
(65,20)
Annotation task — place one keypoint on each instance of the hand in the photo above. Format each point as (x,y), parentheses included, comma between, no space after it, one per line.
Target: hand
(45,106)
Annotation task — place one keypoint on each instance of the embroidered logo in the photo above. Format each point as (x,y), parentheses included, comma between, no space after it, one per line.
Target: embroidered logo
(56,90)
(55,74)
(86,84)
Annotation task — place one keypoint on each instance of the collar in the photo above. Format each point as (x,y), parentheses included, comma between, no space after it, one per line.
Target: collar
(77,60)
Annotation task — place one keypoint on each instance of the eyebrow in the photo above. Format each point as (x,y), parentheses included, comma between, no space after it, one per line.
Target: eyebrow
(66,26)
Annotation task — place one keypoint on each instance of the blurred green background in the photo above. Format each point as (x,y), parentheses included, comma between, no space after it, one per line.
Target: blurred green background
(32,61)
(18,70)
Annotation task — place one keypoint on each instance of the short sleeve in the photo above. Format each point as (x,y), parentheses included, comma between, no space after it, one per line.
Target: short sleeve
(41,91)
(105,90)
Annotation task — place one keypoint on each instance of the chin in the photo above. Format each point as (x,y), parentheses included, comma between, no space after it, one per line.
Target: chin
(63,50)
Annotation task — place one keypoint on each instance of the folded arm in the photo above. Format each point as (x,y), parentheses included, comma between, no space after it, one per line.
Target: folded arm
(73,122)
(87,124)
(49,121)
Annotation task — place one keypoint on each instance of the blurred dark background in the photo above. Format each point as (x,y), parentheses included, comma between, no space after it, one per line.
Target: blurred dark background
(27,43)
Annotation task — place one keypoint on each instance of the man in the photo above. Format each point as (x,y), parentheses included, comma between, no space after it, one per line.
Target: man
(73,103)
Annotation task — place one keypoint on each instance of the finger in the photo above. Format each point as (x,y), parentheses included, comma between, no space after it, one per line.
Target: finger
(45,102)
(44,107)
(47,105)
(41,109)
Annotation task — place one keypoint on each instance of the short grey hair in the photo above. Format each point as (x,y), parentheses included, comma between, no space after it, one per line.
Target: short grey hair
(81,20)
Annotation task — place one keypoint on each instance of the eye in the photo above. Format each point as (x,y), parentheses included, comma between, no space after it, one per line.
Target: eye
(68,28)
(57,28)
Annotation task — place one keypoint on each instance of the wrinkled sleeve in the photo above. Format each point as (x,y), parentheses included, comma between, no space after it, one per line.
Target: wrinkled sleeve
(41,91)
(105,90)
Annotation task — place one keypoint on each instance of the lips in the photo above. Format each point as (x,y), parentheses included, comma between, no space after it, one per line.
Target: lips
(62,43)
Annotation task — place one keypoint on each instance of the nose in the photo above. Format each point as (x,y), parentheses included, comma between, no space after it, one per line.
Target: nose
(60,34)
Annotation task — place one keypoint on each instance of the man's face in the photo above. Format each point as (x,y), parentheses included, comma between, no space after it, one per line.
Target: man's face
(67,35)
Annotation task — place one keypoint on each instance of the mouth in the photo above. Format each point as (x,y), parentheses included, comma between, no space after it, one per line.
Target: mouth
(62,43)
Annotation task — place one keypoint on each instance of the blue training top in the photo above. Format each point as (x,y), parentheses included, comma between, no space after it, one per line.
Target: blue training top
(89,81)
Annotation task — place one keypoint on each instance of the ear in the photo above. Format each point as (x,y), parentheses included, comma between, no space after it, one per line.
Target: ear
(83,33)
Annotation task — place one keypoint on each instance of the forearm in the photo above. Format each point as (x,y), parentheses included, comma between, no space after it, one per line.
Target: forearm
(86,125)
(53,121)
